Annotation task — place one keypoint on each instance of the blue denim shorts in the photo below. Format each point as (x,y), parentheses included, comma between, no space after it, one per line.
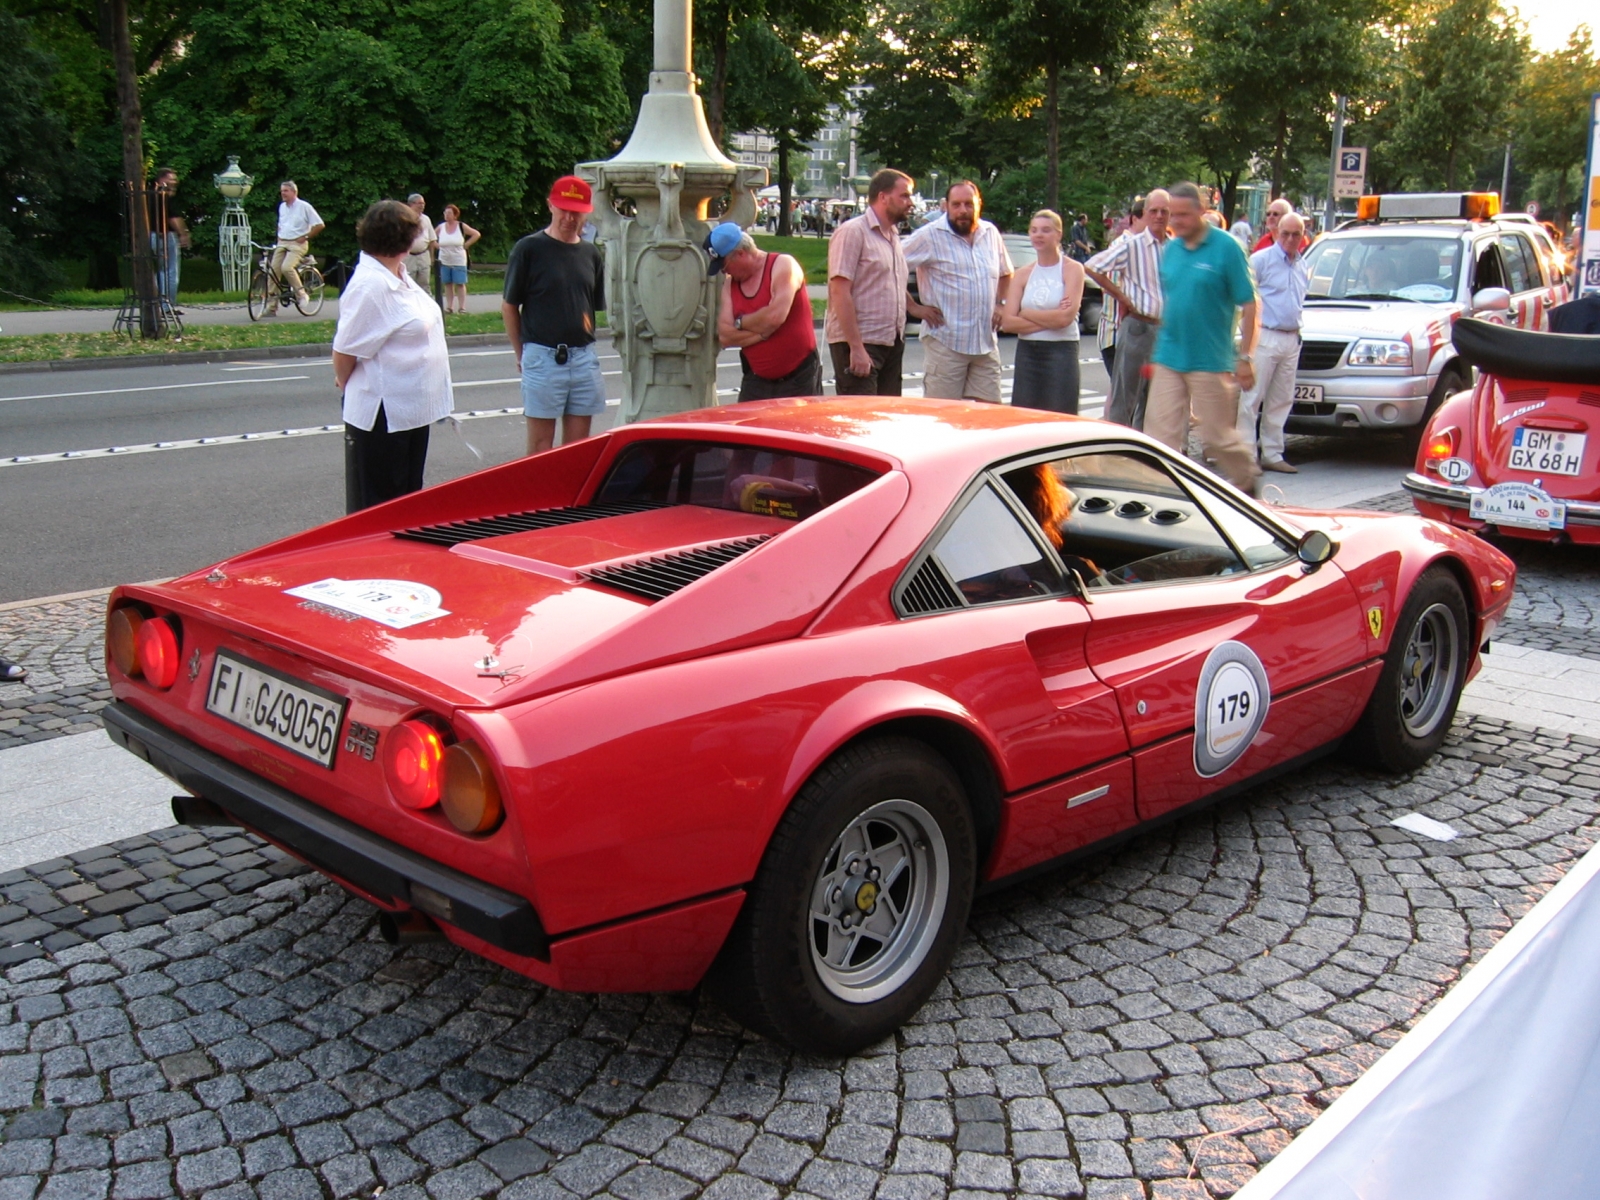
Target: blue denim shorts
(449,274)
(573,389)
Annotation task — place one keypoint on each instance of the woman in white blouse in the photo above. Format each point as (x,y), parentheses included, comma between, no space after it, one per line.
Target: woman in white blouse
(455,239)
(390,360)
(1042,310)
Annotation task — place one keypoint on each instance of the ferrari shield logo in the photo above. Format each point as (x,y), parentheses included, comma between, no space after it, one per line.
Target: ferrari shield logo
(1375,621)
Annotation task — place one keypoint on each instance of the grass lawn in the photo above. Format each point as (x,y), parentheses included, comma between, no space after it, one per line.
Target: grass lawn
(811,251)
(44,347)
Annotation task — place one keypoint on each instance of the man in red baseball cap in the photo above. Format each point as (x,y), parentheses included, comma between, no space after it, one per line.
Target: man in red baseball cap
(554,284)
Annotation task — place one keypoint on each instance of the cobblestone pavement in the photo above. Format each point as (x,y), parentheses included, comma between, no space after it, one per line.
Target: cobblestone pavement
(191,1013)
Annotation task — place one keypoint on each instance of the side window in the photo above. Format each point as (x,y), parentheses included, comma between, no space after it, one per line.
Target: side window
(1259,545)
(1119,517)
(1513,254)
(1486,272)
(989,556)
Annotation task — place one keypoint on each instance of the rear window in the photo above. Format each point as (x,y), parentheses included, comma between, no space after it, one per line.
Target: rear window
(768,483)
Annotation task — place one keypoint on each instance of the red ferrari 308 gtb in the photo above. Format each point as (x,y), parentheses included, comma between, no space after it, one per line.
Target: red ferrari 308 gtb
(763,694)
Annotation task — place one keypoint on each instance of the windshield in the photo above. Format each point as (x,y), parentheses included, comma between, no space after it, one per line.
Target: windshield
(752,479)
(1377,267)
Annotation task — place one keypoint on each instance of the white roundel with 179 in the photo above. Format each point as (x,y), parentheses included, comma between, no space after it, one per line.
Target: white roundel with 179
(1230,705)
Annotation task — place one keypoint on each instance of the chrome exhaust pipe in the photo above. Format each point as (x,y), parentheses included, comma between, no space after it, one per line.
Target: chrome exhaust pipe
(408,928)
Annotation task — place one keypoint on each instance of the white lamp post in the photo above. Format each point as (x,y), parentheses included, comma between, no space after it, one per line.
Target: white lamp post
(661,306)
(233,234)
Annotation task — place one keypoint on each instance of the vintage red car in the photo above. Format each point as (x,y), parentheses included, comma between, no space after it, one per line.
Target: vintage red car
(766,693)
(1511,454)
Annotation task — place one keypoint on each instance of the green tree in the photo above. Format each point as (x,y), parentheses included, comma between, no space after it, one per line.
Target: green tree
(1458,55)
(36,160)
(1031,44)
(919,75)
(1552,116)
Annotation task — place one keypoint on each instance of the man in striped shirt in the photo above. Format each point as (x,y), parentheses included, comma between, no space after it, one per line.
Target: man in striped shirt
(1129,271)
(1110,310)
(962,271)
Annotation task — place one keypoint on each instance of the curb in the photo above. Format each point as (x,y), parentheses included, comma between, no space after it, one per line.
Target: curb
(308,350)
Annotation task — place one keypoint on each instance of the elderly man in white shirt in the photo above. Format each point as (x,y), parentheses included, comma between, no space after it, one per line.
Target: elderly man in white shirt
(391,360)
(962,273)
(1281,282)
(298,223)
(420,261)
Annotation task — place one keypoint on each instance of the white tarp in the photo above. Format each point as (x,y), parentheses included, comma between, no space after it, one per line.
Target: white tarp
(1495,1094)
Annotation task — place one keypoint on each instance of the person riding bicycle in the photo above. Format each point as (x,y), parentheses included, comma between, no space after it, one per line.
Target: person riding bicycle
(298,223)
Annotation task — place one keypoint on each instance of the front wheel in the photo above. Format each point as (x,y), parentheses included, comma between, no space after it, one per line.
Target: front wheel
(860,900)
(260,299)
(1411,708)
(311,280)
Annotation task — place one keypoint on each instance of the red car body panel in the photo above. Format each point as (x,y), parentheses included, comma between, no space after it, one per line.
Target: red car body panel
(647,750)
(1481,423)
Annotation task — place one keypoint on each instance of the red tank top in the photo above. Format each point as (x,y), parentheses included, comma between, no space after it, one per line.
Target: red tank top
(783,352)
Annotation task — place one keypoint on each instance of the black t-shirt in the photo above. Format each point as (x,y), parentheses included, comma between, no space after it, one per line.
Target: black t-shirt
(558,286)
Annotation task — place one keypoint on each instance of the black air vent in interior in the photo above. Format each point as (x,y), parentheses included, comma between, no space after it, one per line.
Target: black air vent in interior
(659,576)
(478,528)
(928,591)
(1097,504)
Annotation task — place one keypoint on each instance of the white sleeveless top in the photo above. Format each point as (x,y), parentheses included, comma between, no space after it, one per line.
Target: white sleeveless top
(1044,290)
(452,246)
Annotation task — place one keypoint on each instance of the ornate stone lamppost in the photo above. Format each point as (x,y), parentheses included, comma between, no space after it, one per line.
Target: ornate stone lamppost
(233,234)
(659,301)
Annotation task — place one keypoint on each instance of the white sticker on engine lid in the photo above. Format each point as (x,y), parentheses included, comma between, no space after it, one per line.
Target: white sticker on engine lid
(1229,707)
(397,603)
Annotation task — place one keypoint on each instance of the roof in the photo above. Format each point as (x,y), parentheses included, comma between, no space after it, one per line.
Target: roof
(910,431)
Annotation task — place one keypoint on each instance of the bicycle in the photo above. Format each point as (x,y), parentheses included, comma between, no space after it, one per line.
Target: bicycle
(269,290)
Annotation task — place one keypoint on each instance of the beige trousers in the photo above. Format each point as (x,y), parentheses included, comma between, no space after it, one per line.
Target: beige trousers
(417,266)
(286,258)
(949,375)
(1211,399)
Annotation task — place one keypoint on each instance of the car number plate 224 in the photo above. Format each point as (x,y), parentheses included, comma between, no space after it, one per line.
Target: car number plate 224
(1547,451)
(289,712)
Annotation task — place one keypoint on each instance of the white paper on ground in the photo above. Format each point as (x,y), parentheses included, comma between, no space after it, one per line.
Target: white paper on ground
(1427,827)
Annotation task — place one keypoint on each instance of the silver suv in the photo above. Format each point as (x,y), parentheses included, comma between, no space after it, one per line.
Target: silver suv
(1385,293)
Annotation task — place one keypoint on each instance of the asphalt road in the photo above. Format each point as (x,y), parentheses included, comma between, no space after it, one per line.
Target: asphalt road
(99,518)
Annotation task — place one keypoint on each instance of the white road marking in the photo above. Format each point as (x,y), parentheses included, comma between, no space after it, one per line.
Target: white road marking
(164,387)
(277,366)
(483,382)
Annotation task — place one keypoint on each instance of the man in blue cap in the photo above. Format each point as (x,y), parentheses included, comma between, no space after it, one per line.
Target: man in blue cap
(766,313)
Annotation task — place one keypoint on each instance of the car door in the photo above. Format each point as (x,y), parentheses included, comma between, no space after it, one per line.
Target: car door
(1005,637)
(1227,656)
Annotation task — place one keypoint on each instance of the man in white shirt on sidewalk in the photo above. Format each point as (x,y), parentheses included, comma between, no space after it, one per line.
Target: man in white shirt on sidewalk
(962,271)
(420,259)
(298,223)
(1129,271)
(1281,282)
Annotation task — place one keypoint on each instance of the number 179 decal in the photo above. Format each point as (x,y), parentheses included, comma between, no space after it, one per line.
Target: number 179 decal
(1229,707)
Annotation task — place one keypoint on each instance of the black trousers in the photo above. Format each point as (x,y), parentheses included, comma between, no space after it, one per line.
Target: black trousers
(804,380)
(379,465)
(1046,376)
(885,377)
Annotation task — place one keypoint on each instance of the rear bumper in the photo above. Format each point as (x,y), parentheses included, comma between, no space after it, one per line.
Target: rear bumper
(1453,496)
(338,847)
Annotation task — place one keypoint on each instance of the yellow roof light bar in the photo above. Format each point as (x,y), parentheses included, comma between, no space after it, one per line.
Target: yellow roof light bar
(1468,206)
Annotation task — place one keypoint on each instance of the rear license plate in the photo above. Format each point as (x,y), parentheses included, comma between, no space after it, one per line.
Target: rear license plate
(1547,451)
(1308,393)
(1518,504)
(286,711)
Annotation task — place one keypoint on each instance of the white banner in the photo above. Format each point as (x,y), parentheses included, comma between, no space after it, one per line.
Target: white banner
(1589,247)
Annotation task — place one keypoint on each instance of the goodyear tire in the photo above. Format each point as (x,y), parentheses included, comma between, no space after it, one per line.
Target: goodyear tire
(859,902)
(1409,714)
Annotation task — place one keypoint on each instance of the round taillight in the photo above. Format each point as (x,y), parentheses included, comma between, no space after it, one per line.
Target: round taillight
(157,642)
(470,797)
(122,638)
(413,757)
(1440,448)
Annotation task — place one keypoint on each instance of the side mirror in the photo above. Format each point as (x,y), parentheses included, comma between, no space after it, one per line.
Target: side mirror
(1491,300)
(1315,548)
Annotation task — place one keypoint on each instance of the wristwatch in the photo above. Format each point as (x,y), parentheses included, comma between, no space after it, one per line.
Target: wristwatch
(1247,358)
(738,322)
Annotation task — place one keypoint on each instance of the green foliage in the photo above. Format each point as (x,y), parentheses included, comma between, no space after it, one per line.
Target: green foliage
(1458,55)
(35,159)
(1552,119)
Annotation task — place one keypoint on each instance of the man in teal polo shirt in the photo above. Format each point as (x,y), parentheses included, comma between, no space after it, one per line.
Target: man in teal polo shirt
(1205,279)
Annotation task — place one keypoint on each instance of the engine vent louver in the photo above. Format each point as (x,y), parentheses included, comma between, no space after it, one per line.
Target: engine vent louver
(1530,395)
(657,577)
(928,591)
(456,532)
(1592,399)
